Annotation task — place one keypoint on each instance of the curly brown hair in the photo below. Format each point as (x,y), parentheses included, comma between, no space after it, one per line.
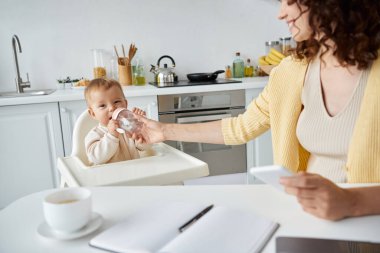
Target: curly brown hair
(353,25)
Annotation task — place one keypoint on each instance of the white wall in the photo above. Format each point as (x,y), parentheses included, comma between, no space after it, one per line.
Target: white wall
(201,35)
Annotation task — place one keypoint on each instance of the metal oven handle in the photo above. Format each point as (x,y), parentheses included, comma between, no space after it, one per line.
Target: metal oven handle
(202,118)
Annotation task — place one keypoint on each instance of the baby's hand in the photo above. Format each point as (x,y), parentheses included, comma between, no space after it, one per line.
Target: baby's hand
(138,111)
(112,126)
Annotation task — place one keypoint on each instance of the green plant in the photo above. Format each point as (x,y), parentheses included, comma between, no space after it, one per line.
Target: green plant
(69,80)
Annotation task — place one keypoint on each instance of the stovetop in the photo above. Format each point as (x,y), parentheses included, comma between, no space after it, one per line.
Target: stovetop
(188,83)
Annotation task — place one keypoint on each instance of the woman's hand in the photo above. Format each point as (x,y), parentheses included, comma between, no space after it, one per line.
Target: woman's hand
(151,132)
(320,197)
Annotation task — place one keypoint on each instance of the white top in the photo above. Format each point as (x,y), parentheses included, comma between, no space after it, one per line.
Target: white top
(102,147)
(19,220)
(327,138)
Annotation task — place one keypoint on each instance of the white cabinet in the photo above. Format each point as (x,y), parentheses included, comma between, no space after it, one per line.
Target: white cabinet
(31,141)
(259,150)
(70,110)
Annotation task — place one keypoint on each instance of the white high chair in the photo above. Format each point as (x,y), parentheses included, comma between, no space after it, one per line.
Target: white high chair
(165,166)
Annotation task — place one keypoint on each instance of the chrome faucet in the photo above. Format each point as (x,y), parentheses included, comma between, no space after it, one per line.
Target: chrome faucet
(20,84)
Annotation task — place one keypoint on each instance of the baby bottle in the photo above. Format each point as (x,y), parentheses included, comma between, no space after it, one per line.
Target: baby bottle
(127,121)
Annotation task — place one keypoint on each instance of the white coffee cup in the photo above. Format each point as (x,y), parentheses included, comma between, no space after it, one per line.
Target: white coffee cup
(68,210)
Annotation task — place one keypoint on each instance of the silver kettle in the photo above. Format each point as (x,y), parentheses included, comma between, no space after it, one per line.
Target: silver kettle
(164,75)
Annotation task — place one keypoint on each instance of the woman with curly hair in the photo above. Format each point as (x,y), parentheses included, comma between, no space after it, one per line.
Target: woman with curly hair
(322,105)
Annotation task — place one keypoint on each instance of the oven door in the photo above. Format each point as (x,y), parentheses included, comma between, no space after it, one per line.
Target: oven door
(221,159)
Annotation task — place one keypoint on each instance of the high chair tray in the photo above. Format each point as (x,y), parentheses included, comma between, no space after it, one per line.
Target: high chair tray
(167,166)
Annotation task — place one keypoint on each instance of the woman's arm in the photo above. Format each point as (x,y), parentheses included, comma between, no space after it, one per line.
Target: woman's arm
(154,131)
(231,131)
(326,200)
(210,132)
(367,200)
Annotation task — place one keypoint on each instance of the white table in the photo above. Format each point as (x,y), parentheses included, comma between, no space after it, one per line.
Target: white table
(19,221)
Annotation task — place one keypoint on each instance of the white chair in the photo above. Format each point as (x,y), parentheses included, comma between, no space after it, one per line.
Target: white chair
(165,166)
(82,126)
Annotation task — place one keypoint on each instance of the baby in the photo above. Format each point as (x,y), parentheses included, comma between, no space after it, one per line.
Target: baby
(103,143)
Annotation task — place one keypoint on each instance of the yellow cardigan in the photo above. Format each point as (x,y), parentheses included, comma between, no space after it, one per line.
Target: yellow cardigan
(278,107)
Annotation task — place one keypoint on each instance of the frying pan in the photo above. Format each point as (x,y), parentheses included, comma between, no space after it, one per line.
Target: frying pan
(201,77)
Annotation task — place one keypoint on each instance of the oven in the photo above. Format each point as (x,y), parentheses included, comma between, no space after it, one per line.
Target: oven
(204,107)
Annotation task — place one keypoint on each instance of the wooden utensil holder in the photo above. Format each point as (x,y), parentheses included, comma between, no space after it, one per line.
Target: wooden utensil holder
(125,74)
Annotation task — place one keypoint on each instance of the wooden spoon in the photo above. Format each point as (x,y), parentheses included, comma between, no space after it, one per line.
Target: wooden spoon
(118,57)
(132,52)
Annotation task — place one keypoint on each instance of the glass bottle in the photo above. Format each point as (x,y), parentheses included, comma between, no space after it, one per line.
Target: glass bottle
(113,68)
(127,121)
(285,45)
(258,71)
(238,66)
(138,72)
(272,44)
(140,75)
(248,69)
(228,73)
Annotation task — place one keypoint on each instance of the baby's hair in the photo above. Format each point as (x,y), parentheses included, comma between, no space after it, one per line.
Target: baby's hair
(100,84)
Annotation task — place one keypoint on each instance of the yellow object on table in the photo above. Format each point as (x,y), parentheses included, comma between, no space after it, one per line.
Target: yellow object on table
(268,62)
(99,72)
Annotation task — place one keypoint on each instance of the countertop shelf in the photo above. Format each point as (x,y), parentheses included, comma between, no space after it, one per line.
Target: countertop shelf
(137,91)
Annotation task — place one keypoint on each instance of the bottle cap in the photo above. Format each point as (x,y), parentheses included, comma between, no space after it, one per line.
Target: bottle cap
(248,60)
(237,53)
(117,112)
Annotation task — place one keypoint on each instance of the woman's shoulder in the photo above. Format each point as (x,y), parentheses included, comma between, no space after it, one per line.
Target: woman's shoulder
(289,69)
(289,73)
(290,63)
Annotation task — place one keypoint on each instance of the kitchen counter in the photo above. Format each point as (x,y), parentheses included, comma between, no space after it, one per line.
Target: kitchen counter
(137,91)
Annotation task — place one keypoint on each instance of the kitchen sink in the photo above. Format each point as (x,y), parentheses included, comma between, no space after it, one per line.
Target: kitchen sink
(26,93)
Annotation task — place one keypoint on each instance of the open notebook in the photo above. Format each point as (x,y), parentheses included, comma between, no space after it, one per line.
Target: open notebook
(156,229)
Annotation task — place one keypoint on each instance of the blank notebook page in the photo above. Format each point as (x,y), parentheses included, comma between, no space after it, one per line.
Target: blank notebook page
(224,230)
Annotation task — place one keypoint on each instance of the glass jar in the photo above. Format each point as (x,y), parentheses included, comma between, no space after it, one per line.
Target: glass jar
(285,45)
(99,67)
(272,44)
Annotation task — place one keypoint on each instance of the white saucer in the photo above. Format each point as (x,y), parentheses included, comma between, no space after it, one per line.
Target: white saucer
(46,231)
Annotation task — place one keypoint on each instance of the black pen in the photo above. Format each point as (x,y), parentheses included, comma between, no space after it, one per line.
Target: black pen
(195,218)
